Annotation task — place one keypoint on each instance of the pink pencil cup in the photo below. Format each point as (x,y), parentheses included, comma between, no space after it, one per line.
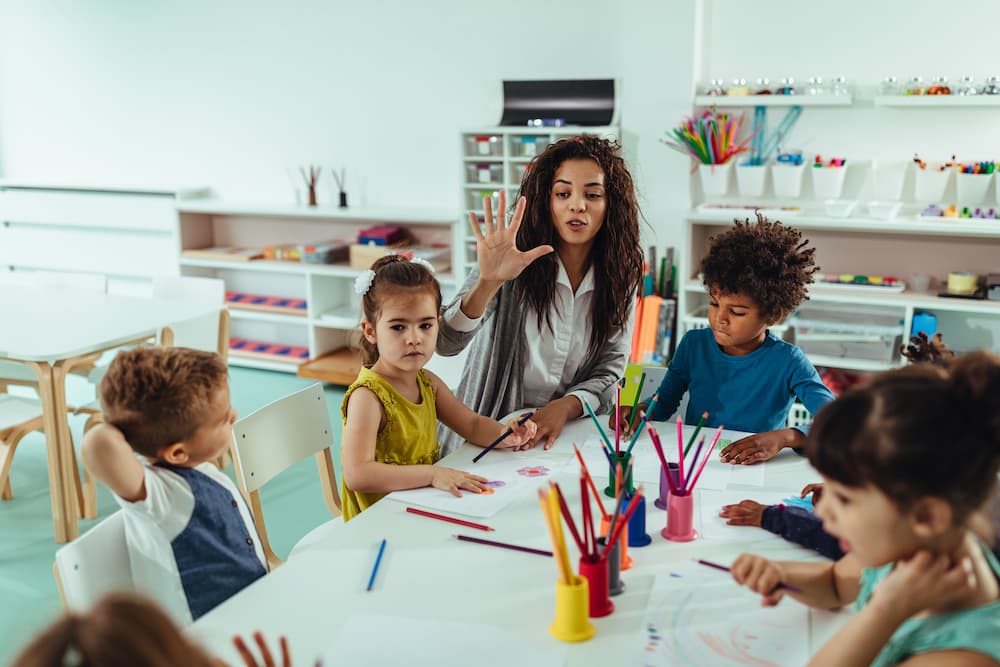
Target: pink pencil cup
(680,516)
(674,472)
(596,573)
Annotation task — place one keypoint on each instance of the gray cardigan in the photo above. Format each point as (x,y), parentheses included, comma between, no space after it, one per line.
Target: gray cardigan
(493,378)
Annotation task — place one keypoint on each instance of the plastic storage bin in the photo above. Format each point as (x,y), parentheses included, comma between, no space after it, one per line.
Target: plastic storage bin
(930,185)
(483,144)
(972,188)
(849,331)
(787,179)
(715,178)
(484,172)
(828,182)
(750,179)
(527,146)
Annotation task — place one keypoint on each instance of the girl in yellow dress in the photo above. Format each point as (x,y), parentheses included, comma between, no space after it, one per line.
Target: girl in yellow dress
(391,410)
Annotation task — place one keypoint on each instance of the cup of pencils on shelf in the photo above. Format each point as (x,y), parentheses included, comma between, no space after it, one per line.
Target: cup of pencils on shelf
(712,140)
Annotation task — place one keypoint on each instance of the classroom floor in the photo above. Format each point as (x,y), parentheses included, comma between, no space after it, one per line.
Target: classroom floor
(293,504)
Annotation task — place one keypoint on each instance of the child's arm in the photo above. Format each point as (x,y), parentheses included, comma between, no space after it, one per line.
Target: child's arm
(363,473)
(475,428)
(110,459)
(794,524)
(822,585)
(762,446)
(922,582)
(668,395)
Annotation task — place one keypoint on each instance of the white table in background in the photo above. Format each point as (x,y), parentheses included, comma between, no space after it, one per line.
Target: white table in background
(51,330)
(427,574)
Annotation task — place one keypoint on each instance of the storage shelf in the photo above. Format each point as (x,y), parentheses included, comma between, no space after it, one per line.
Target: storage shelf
(774,100)
(937,101)
(250,362)
(360,214)
(339,318)
(483,158)
(899,225)
(259,316)
(852,364)
(277,266)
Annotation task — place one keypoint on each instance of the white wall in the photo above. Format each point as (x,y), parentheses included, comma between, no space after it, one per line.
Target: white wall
(233,94)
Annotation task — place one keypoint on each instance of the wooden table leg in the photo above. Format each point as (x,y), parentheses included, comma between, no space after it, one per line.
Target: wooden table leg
(73,491)
(62,507)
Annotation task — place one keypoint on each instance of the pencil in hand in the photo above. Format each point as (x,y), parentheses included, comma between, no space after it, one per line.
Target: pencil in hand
(520,422)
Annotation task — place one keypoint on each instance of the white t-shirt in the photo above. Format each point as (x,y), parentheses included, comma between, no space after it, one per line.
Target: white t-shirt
(152,524)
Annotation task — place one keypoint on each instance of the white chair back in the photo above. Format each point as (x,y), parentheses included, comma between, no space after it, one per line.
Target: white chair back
(201,333)
(16,410)
(281,433)
(94,564)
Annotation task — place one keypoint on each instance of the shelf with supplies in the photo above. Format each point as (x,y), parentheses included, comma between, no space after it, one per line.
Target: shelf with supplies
(937,101)
(860,327)
(295,315)
(495,159)
(774,100)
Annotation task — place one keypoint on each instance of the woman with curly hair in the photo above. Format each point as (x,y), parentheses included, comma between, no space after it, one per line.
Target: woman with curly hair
(736,370)
(549,310)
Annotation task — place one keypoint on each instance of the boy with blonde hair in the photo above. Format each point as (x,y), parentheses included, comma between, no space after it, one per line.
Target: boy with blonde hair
(190,534)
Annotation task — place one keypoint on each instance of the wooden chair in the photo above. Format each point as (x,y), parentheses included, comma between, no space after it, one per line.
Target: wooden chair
(19,416)
(93,565)
(276,436)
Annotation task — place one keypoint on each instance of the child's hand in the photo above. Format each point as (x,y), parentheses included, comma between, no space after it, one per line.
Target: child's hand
(744,513)
(267,660)
(925,581)
(451,480)
(761,446)
(761,576)
(816,489)
(625,414)
(520,437)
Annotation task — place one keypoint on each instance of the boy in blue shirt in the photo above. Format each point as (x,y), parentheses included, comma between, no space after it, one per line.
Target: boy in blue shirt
(190,536)
(736,370)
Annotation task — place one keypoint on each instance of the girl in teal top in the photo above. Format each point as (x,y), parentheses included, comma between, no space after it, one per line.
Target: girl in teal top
(907,460)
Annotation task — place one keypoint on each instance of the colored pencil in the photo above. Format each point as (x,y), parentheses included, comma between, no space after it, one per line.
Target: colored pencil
(600,430)
(561,550)
(701,422)
(620,525)
(503,545)
(704,461)
(590,481)
(568,517)
(618,417)
(520,422)
(694,464)
(643,422)
(450,519)
(680,452)
(787,587)
(565,575)
(378,561)
(658,446)
(635,402)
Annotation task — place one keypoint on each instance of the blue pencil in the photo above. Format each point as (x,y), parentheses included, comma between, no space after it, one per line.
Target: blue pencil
(378,560)
(520,422)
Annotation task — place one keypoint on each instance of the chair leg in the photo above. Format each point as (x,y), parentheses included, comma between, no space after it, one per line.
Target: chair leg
(88,505)
(223,459)
(92,421)
(8,443)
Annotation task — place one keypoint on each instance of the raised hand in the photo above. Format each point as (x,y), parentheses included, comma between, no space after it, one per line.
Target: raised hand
(496,246)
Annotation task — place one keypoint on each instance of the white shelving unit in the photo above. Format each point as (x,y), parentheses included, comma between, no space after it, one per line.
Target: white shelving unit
(774,100)
(333,309)
(937,101)
(494,159)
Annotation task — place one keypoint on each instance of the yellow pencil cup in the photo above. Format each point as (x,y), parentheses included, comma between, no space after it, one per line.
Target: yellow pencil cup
(572,623)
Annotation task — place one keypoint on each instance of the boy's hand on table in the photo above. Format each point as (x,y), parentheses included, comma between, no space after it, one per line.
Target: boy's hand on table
(451,480)
(625,415)
(761,446)
(744,513)
(761,576)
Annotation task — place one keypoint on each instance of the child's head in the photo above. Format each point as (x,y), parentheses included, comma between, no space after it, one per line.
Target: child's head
(579,192)
(756,274)
(171,403)
(401,307)
(120,631)
(909,456)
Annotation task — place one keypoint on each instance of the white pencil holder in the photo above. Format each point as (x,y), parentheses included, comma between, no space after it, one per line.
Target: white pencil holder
(787,179)
(715,178)
(930,185)
(750,179)
(828,182)
(972,188)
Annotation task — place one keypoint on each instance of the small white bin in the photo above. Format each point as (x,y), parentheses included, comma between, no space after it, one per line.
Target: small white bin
(972,188)
(715,178)
(750,179)
(787,179)
(828,182)
(930,185)
(887,180)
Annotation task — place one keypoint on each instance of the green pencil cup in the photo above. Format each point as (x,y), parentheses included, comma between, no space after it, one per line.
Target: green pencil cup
(623,459)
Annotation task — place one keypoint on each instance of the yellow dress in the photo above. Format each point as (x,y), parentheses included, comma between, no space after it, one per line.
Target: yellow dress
(409,436)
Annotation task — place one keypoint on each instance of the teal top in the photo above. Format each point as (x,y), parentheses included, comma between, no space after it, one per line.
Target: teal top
(976,629)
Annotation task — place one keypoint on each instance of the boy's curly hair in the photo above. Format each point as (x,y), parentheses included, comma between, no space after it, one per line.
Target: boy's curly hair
(157,396)
(764,260)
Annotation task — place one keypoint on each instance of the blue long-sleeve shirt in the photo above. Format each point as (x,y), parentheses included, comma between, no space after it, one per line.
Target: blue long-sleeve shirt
(752,392)
(801,526)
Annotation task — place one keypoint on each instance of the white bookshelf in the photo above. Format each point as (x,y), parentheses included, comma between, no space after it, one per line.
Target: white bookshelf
(500,154)
(333,309)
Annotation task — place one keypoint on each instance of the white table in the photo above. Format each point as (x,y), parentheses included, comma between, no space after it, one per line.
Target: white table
(51,330)
(427,574)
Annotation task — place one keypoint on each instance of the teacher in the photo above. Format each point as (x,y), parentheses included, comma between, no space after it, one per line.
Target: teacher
(550,326)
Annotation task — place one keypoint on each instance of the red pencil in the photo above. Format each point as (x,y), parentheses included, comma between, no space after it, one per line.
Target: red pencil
(450,519)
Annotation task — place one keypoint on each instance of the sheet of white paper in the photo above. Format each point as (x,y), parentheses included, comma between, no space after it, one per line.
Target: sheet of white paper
(507,471)
(715,527)
(698,616)
(362,640)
